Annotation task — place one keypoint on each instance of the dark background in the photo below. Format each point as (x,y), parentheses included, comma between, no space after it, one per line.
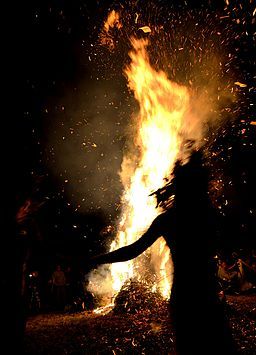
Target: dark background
(47,58)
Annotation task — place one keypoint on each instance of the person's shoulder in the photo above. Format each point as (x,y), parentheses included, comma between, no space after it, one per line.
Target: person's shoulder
(164,219)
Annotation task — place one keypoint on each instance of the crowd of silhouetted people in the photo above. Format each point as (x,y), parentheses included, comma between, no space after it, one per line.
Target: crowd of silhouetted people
(236,271)
(64,290)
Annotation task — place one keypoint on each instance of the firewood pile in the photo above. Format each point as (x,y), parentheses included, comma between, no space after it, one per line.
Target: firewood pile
(135,297)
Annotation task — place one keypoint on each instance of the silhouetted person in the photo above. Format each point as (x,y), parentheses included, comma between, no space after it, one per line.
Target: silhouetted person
(188,228)
(69,285)
(34,298)
(25,232)
(59,288)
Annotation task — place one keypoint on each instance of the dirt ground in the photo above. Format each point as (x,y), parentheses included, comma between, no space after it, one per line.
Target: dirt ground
(145,332)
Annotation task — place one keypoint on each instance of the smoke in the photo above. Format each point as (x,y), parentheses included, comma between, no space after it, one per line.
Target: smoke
(99,285)
(85,145)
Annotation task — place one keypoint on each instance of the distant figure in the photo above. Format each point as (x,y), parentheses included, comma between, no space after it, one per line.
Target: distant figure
(34,292)
(188,227)
(87,295)
(59,288)
(228,276)
(245,276)
(69,285)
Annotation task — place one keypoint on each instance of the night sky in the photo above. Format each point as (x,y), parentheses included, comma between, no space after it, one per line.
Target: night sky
(67,118)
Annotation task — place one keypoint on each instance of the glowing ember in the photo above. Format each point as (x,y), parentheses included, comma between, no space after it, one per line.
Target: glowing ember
(145,29)
(104,310)
(240,84)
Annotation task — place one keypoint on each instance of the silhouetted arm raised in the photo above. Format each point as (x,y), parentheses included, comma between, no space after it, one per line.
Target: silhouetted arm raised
(135,249)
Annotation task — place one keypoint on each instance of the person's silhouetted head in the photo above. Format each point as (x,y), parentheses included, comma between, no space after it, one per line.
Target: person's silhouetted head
(189,183)
(191,180)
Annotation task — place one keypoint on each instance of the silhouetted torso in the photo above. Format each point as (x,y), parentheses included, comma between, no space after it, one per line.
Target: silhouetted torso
(188,227)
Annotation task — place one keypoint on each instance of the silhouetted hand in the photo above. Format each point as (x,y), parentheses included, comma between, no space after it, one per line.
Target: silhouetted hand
(93,263)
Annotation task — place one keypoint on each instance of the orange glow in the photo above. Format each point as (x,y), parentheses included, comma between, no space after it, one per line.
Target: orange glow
(163,105)
(112,21)
(169,114)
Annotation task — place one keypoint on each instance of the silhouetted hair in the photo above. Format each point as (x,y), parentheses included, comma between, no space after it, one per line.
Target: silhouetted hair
(188,180)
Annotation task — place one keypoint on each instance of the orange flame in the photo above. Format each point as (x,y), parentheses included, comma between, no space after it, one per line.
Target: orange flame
(166,118)
(112,21)
(163,106)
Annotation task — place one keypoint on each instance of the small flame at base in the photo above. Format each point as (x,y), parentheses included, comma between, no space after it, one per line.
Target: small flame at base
(104,310)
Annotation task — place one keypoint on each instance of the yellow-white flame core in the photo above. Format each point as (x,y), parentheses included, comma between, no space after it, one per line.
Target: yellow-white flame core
(163,107)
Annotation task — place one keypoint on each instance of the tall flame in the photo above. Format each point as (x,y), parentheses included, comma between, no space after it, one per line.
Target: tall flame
(163,106)
(166,118)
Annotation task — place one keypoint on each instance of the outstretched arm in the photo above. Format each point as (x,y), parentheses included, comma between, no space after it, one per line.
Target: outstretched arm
(135,249)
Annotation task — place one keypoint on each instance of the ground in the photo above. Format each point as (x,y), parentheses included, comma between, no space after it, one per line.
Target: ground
(242,317)
(144,332)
